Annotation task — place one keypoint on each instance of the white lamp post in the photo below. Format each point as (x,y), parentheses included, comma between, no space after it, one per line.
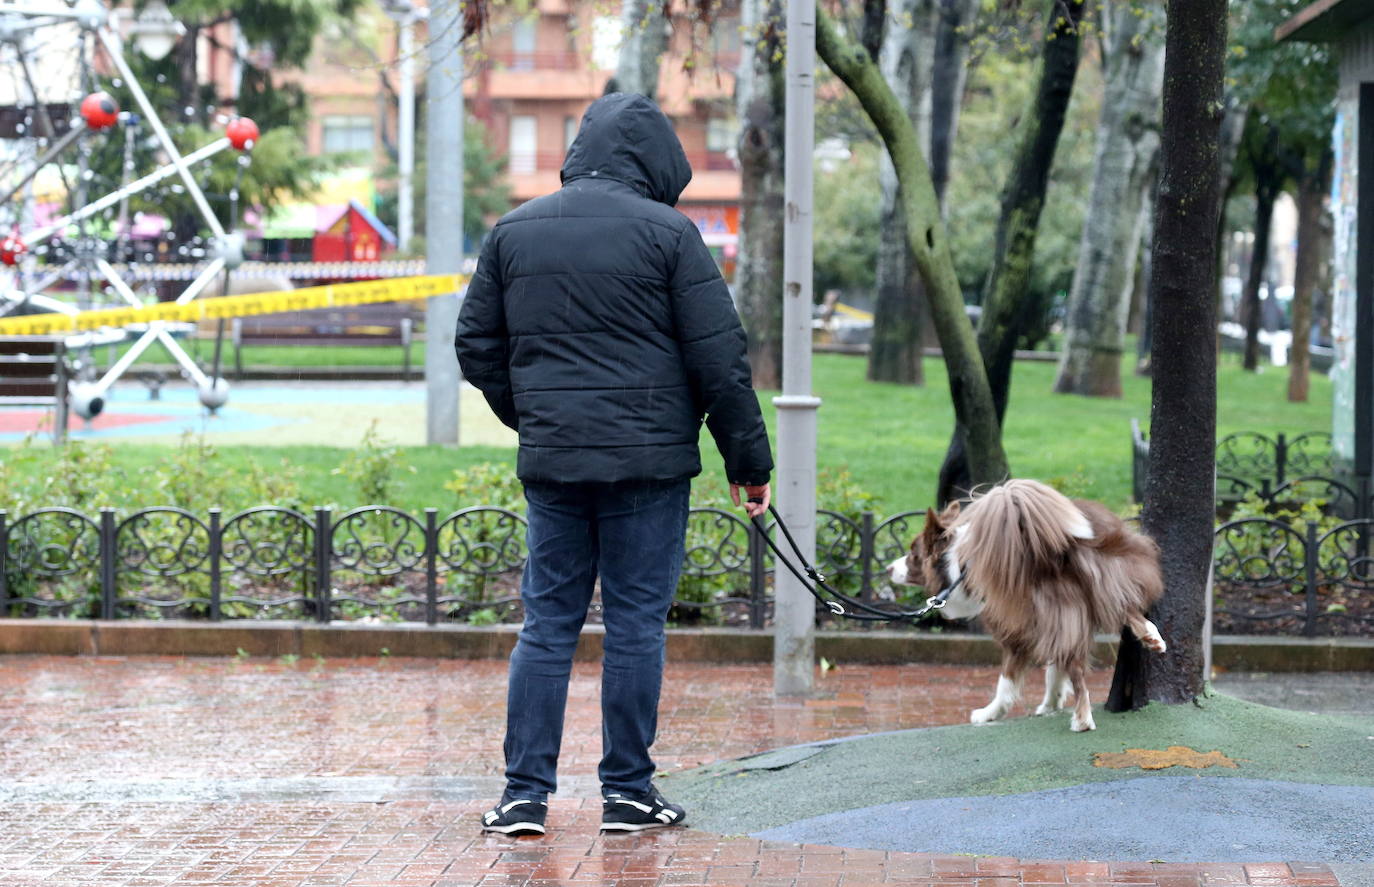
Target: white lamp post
(405,14)
(156,31)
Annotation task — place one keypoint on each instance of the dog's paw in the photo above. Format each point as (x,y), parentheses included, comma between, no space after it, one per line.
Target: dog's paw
(983,715)
(1045,708)
(1082,726)
(1153,640)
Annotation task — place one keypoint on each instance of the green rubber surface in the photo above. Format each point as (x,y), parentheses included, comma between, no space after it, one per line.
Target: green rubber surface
(1021,755)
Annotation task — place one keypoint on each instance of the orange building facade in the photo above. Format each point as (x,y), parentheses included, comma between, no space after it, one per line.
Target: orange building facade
(529,80)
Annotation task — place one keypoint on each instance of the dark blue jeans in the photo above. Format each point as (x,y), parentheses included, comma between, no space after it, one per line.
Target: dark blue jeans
(632,536)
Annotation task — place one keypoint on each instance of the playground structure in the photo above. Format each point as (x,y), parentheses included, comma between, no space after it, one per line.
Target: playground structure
(26,272)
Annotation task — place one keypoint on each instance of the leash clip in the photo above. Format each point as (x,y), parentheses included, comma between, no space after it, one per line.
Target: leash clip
(835,607)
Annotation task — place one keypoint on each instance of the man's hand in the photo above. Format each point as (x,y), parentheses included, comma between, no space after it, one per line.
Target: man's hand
(752,508)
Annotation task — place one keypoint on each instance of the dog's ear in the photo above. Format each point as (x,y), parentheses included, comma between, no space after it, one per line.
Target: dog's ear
(933,526)
(951,512)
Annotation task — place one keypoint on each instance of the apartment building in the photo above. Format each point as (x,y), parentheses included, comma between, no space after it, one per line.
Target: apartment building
(529,80)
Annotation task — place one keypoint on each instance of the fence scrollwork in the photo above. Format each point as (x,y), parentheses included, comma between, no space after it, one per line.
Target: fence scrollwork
(52,560)
(383,563)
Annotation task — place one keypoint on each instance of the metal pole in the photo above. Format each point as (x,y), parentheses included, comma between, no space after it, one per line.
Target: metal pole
(56,148)
(114,197)
(443,216)
(181,164)
(794,614)
(405,124)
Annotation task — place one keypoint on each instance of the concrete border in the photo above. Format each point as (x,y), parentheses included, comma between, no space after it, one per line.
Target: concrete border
(75,637)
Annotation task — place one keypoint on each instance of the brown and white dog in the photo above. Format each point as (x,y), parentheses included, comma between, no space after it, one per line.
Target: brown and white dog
(1044,573)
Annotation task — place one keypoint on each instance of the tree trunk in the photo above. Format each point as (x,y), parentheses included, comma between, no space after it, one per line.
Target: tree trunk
(1324,249)
(188,92)
(896,350)
(968,381)
(1266,191)
(1312,188)
(760,105)
(1007,306)
(895,353)
(644,37)
(1179,504)
(948,73)
(1127,139)
(1142,284)
(1232,129)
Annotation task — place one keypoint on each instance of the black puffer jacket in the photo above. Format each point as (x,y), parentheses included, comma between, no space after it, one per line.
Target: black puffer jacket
(598,326)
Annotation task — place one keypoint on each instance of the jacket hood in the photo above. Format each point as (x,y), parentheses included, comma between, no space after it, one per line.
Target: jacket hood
(624,136)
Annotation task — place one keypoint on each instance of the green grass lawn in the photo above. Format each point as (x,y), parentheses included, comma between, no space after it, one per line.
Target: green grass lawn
(890,438)
(203,350)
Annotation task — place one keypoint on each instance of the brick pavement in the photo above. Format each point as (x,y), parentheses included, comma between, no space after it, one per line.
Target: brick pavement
(151,772)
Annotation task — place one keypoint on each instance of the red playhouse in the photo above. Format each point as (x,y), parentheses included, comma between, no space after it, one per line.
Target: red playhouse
(355,236)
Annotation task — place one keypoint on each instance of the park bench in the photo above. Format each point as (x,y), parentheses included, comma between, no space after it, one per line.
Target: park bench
(34,373)
(391,323)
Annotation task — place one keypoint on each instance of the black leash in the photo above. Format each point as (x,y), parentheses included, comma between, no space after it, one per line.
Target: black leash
(842,605)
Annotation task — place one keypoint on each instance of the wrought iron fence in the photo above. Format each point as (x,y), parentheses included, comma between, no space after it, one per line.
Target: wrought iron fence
(383,563)
(1277,469)
(1306,574)
(373,562)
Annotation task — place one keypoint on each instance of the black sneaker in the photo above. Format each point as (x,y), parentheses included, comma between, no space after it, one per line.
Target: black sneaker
(516,816)
(623,813)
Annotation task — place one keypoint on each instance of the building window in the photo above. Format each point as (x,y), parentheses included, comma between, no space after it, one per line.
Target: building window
(569,131)
(524,132)
(347,133)
(722,134)
(522,41)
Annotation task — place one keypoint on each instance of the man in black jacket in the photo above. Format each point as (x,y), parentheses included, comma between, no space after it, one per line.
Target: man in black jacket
(598,327)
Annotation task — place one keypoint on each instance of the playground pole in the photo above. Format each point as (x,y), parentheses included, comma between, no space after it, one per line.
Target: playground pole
(794,614)
(443,215)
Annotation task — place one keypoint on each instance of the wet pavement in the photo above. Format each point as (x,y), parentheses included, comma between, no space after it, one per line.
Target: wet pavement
(150,771)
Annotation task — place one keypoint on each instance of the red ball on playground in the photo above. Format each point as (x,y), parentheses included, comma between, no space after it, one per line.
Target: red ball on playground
(11,248)
(99,111)
(242,132)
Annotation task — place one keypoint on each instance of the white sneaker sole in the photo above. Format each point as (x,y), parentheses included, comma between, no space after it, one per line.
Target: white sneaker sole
(533,828)
(635,826)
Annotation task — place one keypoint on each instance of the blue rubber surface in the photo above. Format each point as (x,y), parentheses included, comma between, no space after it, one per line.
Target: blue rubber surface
(1179,819)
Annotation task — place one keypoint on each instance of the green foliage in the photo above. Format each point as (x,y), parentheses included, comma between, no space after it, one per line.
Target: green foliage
(373,468)
(487,483)
(838,491)
(90,476)
(1245,551)
(999,91)
(286,27)
(847,203)
(486,194)
(484,616)
(1289,87)
(283,33)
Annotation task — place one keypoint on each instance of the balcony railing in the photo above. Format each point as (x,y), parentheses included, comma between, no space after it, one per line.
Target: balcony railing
(528,162)
(511,60)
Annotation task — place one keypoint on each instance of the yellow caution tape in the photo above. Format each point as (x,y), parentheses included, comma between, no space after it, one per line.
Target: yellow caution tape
(327,296)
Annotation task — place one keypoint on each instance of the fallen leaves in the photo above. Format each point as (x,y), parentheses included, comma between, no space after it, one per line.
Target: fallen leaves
(1155,759)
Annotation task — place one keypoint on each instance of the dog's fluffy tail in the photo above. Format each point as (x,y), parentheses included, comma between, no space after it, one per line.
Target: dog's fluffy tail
(1016,534)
